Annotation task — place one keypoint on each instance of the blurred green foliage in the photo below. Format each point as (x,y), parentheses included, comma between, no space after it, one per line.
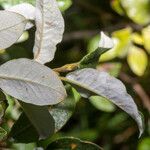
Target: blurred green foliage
(127,22)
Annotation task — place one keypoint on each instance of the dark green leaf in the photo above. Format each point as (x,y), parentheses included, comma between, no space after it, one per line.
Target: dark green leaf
(41,119)
(91,60)
(70,143)
(3,106)
(23,131)
(3,133)
(63,111)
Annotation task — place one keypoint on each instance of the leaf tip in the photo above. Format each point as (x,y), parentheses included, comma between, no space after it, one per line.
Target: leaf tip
(105,41)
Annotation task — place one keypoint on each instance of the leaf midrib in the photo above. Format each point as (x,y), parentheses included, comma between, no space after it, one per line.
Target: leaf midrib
(84,86)
(13,25)
(32,82)
(42,31)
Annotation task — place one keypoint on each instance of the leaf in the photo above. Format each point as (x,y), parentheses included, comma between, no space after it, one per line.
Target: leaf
(41,119)
(71,143)
(117,7)
(102,104)
(23,131)
(31,82)
(137,10)
(137,38)
(21,146)
(123,38)
(5,3)
(137,60)
(3,106)
(144,144)
(23,38)
(3,133)
(35,123)
(146,38)
(26,10)
(64,4)
(50,28)
(91,82)
(12,111)
(11,28)
(92,59)
(63,111)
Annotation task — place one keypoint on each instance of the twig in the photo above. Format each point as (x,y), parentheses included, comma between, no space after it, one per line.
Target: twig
(67,68)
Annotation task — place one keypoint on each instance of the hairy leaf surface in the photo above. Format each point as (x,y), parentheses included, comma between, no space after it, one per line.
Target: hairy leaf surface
(50,28)
(11,28)
(90,82)
(26,10)
(31,82)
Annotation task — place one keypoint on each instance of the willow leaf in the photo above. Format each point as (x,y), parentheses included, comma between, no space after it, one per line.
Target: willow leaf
(90,82)
(31,82)
(11,28)
(50,28)
(26,10)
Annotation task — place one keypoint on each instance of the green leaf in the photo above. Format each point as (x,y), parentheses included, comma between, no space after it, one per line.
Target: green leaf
(41,119)
(137,60)
(63,111)
(123,38)
(64,4)
(91,60)
(3,106)
(117,7)
(146,38)
(91,82)
(144,144)
(137,38)
(70,143)
(137,10)
(12,111)
(21,146)
(102,104)
(23,131)
(5,3)
(113,68)
(31,82)
(3,133)
(23,38)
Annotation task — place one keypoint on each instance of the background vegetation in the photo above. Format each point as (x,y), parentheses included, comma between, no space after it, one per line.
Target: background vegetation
(127,22)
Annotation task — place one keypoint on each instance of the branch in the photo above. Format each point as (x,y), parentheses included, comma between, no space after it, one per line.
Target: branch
(67,68)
